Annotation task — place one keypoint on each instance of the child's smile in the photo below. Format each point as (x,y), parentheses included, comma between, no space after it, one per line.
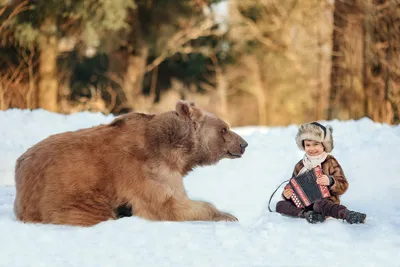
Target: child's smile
(313,148)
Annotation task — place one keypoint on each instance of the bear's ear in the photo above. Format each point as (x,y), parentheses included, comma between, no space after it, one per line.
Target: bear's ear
(188,110)
(118,121)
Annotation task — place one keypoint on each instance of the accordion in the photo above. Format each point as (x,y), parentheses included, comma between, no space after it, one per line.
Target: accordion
(305,188)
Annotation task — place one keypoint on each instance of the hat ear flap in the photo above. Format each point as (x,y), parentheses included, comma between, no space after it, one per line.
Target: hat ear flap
(328,141)
(299,140)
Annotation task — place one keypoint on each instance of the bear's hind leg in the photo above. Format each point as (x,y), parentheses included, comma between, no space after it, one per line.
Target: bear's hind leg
(77,217)
(81,211)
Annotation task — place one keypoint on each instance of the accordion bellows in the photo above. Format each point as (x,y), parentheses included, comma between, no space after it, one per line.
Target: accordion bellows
(306,190)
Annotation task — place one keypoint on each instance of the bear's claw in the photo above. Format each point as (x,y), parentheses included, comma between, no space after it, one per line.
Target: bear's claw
(224,216)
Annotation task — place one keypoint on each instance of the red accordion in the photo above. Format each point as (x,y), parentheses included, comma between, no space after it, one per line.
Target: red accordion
(305,188)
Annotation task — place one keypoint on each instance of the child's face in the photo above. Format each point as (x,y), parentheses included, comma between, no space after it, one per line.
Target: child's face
(313,148)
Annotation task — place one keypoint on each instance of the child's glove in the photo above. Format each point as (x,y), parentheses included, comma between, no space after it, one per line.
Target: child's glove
(287,193)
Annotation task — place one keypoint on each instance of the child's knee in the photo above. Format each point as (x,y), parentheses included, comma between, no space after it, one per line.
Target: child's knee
(280,206)
(319,204)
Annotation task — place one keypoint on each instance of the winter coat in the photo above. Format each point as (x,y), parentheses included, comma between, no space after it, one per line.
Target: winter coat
(332,168)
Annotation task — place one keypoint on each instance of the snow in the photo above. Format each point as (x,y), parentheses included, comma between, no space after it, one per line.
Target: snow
(367,151)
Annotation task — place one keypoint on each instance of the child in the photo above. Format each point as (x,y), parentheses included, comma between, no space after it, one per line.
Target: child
(316,140)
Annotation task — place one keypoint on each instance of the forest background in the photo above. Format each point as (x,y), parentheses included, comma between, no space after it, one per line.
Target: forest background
(252,62)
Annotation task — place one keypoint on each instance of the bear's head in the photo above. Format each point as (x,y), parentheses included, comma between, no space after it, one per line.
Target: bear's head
(215,140)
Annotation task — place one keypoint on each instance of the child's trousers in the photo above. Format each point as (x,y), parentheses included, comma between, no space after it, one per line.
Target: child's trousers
(324,206)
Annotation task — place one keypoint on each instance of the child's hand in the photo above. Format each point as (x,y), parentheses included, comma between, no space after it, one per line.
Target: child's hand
(323,180)
(287,193)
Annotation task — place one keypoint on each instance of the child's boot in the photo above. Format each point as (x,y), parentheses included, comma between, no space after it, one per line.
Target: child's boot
(314,217)
(355,217)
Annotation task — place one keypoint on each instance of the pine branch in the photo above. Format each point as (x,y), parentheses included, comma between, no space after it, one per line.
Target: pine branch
(177,43)
(23,6)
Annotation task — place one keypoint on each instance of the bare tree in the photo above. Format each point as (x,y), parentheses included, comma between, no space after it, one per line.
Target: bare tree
(382,55)
(18,83)
(346,91)
(178,42)
(14,90)
(283,37)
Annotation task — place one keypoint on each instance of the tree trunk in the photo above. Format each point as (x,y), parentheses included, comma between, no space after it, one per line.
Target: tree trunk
(134,75)
(222,92)
(382,86)
(221,86)
(48,83)
(259,92)
(319,88)
(346,92)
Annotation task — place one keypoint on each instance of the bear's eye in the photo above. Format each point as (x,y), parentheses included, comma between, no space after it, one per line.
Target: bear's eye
(224,130)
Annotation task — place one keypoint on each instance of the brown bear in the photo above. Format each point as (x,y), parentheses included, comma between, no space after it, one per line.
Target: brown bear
(137,161)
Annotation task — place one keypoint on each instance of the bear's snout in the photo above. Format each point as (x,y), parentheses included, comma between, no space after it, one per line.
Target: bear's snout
(243,145)
(236,146)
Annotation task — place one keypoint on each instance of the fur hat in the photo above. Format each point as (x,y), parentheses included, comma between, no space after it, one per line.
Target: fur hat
(316,132)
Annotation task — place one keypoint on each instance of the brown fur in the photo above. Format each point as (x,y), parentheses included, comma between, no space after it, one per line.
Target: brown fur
(81,177)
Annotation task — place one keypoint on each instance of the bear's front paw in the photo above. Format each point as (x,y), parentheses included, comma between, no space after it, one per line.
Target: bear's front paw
(225,216)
